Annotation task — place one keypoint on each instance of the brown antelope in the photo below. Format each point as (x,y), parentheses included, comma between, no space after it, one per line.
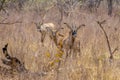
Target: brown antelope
(12,62)
(70,42)
(50,29)
(42,28)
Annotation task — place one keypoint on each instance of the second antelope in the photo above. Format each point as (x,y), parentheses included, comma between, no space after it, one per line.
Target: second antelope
(48,28)
(70,43)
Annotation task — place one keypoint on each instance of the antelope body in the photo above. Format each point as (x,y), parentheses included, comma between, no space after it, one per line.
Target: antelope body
(70,43)
(48,28)
(43,27)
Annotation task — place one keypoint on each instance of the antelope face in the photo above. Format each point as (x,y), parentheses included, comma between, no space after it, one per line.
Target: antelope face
(74,31)
(38,25)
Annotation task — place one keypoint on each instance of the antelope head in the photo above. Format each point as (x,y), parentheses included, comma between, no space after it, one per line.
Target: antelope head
(73,29)
(38,26)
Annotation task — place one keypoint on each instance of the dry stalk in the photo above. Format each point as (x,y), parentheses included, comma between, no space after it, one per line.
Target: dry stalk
(107,39)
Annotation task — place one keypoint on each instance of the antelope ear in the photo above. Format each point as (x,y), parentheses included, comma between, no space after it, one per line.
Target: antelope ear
(68,26)
(80,26)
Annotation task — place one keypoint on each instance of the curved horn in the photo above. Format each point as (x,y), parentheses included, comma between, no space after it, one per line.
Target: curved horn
(80,26)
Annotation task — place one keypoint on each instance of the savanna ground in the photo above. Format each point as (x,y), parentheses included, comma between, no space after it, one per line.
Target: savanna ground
(18,30)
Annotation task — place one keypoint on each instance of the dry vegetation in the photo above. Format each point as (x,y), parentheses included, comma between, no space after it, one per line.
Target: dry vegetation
(49,62)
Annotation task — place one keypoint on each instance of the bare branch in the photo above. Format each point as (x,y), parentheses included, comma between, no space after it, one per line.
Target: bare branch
(107,39)
(115,50)
(10,23)
(80,26)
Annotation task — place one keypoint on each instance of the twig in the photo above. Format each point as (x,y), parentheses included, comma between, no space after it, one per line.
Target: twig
(10,23)
(115,50)
(108,43)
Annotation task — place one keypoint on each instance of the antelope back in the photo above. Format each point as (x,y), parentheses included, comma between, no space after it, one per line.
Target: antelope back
(47,25)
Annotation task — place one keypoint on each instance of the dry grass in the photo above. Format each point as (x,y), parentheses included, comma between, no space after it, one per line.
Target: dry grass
(47,62)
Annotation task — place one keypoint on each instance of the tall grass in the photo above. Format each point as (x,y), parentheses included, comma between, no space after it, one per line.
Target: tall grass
(47,62)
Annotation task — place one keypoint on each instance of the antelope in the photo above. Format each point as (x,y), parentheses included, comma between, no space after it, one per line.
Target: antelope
(12,62)
(70,43)
(48,28)
(42,28)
